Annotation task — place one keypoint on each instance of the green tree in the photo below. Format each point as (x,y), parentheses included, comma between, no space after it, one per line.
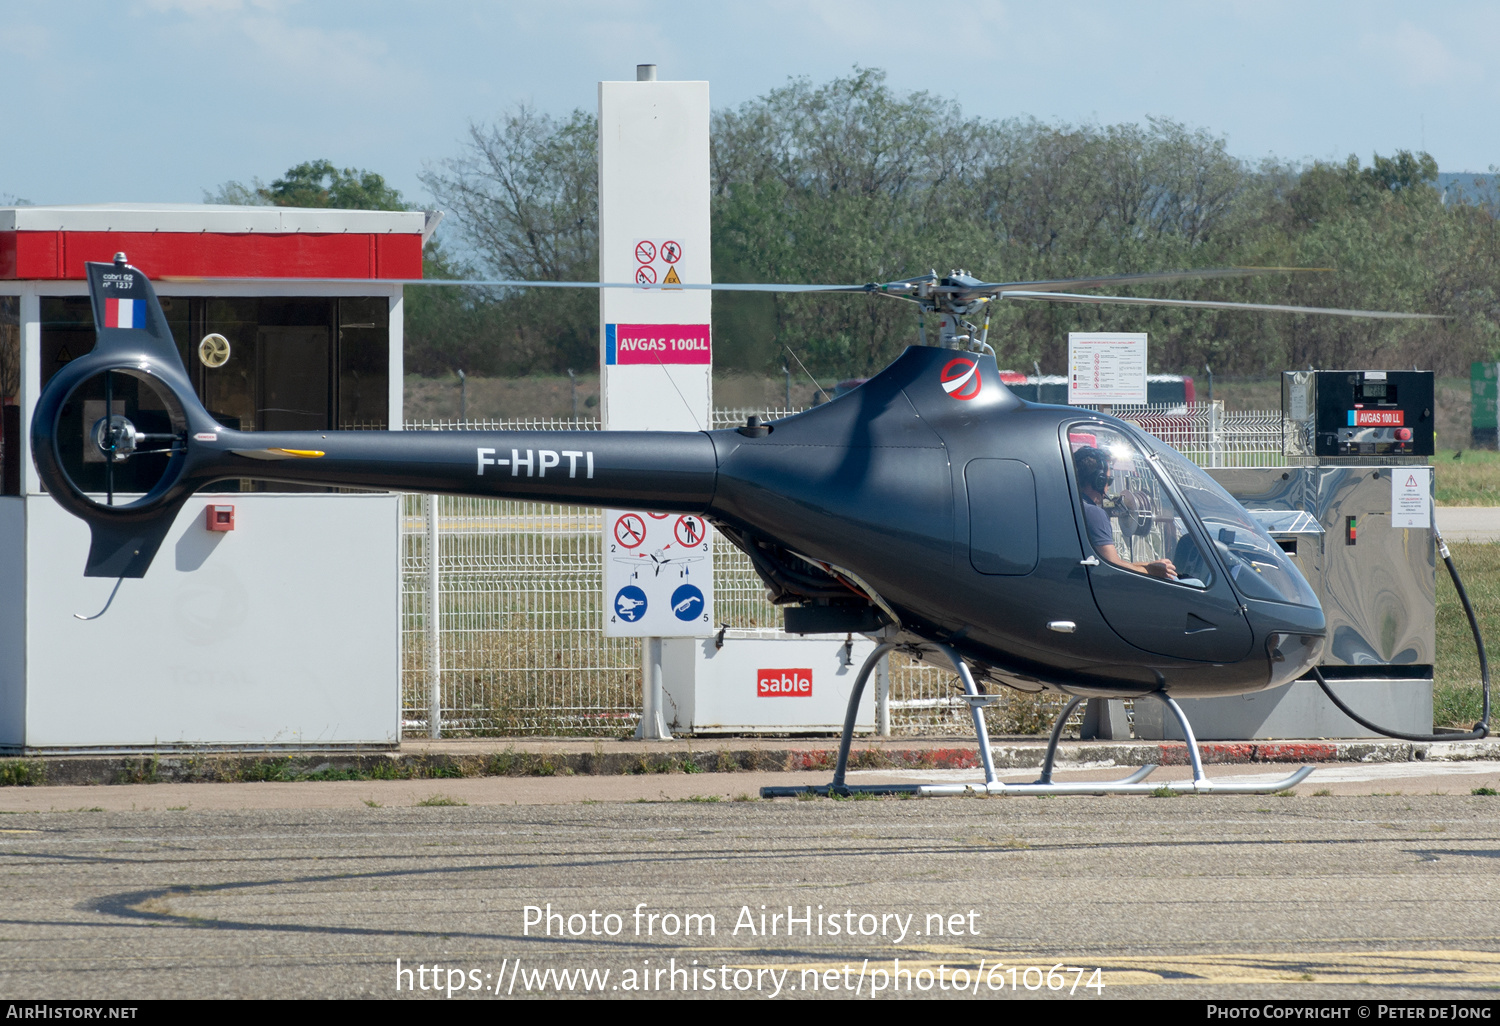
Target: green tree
(317,183)
(524,196)
(850,181)
(314,183)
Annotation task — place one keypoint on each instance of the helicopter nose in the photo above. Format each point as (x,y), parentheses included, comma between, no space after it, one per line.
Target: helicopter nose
(1292,655)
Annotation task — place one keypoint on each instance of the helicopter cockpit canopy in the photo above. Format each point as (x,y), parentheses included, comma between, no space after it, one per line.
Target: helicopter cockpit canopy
(1148,529)
(1135,524)
(1178,567)
(1256,564)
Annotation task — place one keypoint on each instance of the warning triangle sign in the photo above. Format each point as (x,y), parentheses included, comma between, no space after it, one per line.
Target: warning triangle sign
(63,356)
(671,278)
(1411,480)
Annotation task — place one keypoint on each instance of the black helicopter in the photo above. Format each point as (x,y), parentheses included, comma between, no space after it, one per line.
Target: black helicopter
(930,506)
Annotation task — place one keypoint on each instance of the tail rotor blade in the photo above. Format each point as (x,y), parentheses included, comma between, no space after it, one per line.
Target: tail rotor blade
(109,453)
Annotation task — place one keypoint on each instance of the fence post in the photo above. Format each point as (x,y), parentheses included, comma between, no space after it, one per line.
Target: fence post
(434,622)
(1216,433)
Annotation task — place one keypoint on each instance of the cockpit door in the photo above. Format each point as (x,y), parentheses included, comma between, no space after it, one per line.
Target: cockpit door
(1151,580)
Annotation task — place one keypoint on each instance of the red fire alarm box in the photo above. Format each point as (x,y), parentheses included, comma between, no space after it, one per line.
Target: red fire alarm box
(220,518)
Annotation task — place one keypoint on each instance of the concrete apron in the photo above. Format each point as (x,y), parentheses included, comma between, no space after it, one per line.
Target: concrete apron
(1457,776)
(500,757)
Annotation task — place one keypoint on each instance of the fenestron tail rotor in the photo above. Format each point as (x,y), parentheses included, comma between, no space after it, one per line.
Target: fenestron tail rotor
(109,433)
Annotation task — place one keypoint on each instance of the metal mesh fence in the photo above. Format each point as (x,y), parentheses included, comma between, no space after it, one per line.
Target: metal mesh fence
(521,646)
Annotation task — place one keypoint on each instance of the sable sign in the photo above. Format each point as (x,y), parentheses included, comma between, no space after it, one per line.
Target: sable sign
(783,683)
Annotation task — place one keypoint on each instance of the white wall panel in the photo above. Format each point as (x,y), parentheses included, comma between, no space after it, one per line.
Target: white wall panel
(283,631)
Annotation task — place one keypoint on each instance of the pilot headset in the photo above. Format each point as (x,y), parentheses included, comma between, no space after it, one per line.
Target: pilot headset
(1093,467)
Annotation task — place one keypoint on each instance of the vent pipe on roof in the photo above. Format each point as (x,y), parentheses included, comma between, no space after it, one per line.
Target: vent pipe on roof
(645,72)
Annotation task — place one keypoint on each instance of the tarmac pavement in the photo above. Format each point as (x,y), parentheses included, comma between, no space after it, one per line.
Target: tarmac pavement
(1386,899)
(1469,523)
(1376,879)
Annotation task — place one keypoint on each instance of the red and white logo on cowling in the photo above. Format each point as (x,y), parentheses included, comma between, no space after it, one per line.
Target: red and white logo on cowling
(783,683)
(961,378)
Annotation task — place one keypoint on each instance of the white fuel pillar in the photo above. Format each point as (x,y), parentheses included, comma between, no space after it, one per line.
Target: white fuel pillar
(656,356)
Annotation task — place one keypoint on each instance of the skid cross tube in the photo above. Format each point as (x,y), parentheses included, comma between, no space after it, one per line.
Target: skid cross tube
(1133,784)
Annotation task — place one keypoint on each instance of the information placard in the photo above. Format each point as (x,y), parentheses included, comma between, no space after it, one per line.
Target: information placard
(1411,497)
(1106,367)
(658,575)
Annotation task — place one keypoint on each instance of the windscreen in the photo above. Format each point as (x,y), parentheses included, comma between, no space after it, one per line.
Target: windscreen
(1133,521)
(1258,567)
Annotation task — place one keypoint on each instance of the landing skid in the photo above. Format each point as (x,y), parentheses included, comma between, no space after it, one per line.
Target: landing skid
(1133,784)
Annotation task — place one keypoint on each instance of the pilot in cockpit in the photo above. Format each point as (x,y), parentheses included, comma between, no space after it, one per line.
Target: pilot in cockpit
(1092,466)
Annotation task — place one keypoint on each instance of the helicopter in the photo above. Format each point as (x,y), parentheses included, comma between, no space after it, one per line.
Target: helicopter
(929,507)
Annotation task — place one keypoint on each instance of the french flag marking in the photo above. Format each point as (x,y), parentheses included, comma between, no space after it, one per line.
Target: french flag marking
(124,313)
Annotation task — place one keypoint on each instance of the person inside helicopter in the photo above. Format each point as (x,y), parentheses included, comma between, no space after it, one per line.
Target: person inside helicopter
(1094,469)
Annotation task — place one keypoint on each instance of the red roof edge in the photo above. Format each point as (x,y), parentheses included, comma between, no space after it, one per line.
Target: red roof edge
(60,255)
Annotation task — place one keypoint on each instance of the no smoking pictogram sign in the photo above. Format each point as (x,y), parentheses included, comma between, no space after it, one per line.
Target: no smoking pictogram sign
(645,251)
(689,531)
(630,530)
(671,252)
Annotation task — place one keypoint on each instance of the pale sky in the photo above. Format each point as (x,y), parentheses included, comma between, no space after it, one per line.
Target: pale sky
(160,100)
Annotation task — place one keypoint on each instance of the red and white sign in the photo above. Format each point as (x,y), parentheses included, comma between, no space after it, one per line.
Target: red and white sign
(630,530)
(960,378)
(657,343)
(783,683)
(658,260)
(1379,418)
(688,531)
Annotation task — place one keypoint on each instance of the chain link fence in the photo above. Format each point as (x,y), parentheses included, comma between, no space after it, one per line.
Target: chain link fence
(521,649)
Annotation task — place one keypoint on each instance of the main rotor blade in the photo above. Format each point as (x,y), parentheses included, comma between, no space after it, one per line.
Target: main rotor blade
(516,284)
(1068,297)
(1055,284)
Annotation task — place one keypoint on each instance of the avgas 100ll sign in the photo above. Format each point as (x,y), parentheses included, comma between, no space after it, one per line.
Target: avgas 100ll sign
(626,344)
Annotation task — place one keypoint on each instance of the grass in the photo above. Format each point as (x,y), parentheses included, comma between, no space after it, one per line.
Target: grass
(20,773)
(1456,698)
(439,801)
(1473,479)
(1490,791)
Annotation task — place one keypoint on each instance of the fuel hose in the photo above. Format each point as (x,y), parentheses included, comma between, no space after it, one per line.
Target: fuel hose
(1482,728)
